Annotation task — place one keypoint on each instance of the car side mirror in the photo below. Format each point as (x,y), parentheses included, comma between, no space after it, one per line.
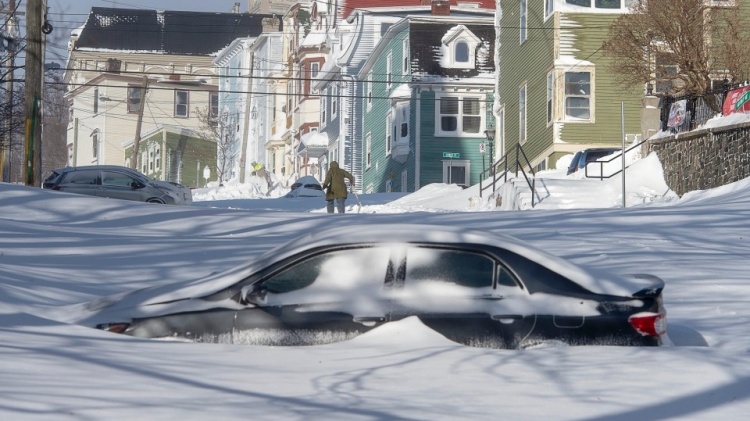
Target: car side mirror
(253,294)
(136,185)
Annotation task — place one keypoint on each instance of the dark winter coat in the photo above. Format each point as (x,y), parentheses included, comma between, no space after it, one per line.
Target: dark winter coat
(334,183)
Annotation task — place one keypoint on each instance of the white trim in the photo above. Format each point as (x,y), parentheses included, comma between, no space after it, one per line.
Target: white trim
(465,163)
(523,120)
(459,115)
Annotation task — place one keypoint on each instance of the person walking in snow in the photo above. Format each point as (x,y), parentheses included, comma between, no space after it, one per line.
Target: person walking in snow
(260,171)
(335,186)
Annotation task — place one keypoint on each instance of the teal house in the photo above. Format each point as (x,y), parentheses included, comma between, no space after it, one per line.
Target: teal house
(427,100)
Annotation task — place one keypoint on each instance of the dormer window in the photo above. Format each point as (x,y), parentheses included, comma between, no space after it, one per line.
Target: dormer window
(459,46)
(462,52)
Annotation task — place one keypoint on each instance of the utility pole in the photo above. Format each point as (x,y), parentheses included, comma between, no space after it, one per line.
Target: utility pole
(139,123)
(33,93)
(9,63)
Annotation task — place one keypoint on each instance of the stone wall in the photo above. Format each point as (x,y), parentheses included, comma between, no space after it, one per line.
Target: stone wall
(704,159)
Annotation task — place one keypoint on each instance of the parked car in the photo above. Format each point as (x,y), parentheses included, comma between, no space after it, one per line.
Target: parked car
(118,183)
(581,158)
(473,287)
(307,186)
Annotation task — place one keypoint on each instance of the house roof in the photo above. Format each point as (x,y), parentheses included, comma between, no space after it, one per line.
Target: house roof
(348,6)
(166,32)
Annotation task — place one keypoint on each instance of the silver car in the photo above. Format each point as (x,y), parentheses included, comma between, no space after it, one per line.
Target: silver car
(117,182)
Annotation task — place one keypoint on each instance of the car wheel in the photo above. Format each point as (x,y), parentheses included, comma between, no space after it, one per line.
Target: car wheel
(155,201)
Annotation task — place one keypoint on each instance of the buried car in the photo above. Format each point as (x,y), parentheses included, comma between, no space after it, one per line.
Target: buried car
(473,287)
(117,182)
(307,186)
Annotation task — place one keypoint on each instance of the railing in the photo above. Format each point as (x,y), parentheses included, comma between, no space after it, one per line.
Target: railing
(601,164)
(698,108)
(496,177)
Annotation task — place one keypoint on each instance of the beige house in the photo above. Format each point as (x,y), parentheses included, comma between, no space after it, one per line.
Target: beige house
(133,70)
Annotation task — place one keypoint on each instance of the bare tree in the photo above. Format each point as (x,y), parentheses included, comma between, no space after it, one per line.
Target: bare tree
(216,129)
(676,44)
(55,121)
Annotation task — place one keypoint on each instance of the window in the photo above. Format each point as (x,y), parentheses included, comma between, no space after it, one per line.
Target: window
(134,99)
(522,114)
(601,4)
(300,76)
(314,69)
(523,16)
(549,7)
(388,133)
(388,72)
(456,171)
(82,177)
(368,150)
(158,159)
(459,116)
(111,178)
(472,119)
(384,27)
(95,145)
(214,111)
(404,121)
(466,269)
(96,101)
(459,48)
(369,91)
(578,95)
(462,52)
(550,95)
(323,106)
(334,100)
(181,103)
(319,276)
(405,52)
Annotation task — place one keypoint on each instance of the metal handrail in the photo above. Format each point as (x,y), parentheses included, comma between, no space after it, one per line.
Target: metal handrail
(601,164)
(503,161)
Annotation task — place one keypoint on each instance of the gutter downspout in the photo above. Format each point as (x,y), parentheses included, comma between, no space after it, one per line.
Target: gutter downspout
(417,140)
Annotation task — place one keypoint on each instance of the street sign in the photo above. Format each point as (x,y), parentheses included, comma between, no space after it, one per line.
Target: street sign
(481,147)
(451,155)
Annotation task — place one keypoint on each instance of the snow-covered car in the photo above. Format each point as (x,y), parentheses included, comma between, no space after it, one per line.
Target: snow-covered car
(117,182)
(307,186)
(473,287)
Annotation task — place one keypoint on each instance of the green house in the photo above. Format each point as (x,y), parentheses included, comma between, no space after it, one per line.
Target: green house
(175,154)
(556,94)
(428,92)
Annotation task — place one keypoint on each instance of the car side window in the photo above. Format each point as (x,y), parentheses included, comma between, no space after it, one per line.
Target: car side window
(335,275)
(462,268)
(82,177)
(112,178)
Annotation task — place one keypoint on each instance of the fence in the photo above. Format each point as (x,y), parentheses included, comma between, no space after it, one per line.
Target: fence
(697,109)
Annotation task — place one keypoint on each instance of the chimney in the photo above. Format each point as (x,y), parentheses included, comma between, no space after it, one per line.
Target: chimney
(441,8)
(271,25)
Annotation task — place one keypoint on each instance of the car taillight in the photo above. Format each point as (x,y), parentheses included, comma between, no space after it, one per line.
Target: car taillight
(649,324)
(113,327)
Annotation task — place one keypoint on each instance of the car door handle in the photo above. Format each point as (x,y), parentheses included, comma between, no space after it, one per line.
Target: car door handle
(506,318)
(492,297)
(368,320)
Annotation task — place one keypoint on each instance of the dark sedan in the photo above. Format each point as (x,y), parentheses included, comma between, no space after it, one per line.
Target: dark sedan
(473,287)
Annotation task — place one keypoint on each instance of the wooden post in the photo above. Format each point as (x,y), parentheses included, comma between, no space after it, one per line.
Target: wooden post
(33,92)
(137,139)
